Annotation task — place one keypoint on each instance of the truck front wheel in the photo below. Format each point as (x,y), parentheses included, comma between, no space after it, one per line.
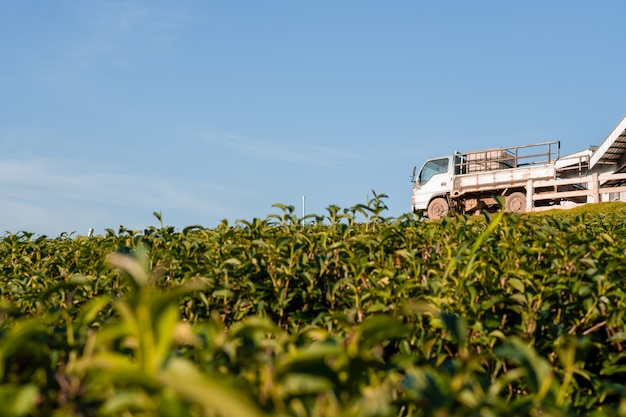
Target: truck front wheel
(438,208)
(516,203)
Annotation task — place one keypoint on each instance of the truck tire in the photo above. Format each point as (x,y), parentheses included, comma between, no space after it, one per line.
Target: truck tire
(438,208)
(515,203)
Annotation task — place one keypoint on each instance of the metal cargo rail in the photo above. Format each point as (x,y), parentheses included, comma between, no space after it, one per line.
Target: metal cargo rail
(496,159)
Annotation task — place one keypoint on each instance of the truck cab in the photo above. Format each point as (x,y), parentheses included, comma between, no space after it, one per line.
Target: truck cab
(434,180)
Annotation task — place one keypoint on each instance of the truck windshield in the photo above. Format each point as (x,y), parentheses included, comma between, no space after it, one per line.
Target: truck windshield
(436,166)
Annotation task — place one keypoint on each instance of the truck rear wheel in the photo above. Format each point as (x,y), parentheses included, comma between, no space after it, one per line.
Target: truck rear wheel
(438,208)
(516,203)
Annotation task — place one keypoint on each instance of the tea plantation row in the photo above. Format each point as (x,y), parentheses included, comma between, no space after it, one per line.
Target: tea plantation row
(346,314)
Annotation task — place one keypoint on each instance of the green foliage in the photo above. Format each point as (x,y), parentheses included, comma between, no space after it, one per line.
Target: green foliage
(347,314)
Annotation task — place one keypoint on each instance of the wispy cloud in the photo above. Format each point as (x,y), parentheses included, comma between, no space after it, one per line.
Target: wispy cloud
(51,197)
(296,153)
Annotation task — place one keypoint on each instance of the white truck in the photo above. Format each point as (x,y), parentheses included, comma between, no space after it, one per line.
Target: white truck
(528,178)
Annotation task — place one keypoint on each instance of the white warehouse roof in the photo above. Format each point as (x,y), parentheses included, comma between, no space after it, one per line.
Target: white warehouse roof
(613,149)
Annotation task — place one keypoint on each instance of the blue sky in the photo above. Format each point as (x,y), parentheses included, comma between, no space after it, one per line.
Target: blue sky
(211,110)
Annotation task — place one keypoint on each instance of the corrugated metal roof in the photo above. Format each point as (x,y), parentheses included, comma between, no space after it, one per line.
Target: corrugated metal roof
(613,149)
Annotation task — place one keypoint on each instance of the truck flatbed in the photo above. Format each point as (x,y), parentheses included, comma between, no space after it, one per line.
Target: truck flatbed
(501,179)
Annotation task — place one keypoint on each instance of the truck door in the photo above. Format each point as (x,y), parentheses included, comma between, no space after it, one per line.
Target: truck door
(434,179)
